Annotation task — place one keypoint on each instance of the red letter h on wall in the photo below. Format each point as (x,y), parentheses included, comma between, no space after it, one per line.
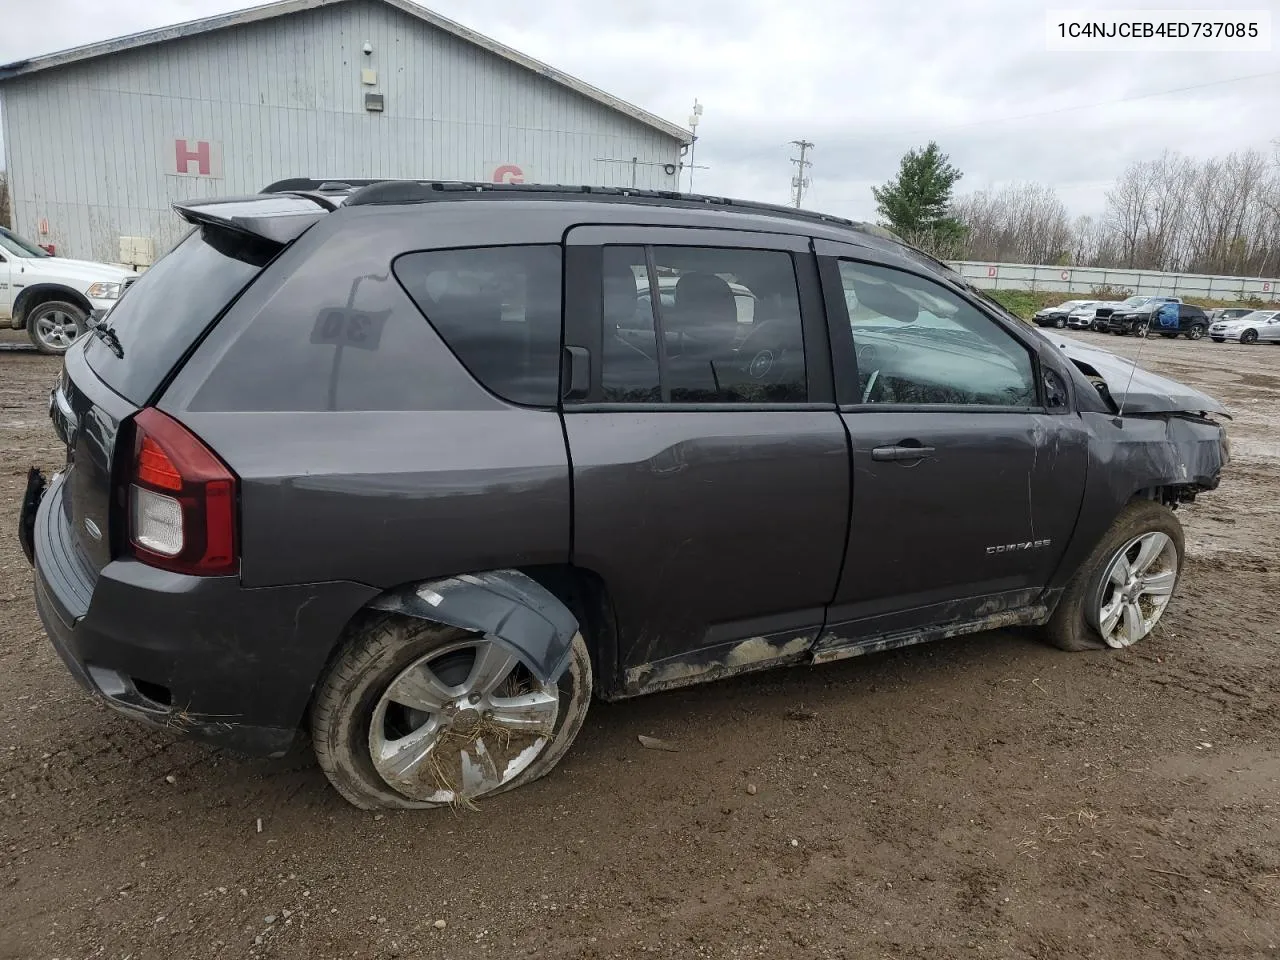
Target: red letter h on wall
(200,154)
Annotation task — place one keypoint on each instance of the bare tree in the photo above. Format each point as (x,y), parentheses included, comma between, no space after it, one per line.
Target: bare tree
(1021,222)
(6,213)
(1171,213)
(1126,205)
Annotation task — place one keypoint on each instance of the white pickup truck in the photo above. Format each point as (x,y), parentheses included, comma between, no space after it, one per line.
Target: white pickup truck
(52,298)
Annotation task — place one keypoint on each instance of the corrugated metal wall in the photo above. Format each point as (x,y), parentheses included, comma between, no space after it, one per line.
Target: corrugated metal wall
(91,146)
(1083,280)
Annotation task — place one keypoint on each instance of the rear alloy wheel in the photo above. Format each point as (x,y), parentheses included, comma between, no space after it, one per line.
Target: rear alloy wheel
(55,325)
(1195,333)
(1249,336)
(1123,588)
(414,714)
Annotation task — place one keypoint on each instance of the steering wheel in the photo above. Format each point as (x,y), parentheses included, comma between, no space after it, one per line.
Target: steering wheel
(763,354)
(870,364)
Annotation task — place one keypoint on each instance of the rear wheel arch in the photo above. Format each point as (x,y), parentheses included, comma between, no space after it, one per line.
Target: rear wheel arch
(582,591)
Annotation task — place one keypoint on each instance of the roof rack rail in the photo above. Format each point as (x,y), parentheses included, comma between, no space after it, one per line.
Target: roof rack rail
(307,184)
(420,191)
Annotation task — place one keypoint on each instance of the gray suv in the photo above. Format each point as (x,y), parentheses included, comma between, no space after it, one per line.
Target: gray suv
(422,468)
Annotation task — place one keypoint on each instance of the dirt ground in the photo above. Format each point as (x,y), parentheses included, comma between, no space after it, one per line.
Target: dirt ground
(985,797)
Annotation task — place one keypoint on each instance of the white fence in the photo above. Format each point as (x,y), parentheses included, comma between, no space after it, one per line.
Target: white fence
(1025,276)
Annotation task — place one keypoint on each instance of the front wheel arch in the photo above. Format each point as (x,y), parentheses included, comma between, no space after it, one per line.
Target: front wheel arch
(39,293)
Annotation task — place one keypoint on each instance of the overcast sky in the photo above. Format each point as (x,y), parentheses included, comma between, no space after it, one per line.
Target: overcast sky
(864,81)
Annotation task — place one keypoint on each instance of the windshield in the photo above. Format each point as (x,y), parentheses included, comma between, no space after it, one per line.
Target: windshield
(1258,316)
(1134,301)
(20,248)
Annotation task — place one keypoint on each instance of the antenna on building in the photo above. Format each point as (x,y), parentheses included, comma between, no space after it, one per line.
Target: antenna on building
(800,183)
(694,119)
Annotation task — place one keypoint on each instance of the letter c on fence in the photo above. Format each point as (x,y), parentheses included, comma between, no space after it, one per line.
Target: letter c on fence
(991,271)
(1066,274)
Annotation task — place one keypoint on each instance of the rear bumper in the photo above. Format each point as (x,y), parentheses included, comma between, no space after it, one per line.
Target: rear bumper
(202,656)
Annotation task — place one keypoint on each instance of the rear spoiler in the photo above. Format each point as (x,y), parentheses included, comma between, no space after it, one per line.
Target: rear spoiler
(278,219)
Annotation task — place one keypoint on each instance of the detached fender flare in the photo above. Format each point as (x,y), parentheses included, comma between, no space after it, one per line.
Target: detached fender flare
(506,606)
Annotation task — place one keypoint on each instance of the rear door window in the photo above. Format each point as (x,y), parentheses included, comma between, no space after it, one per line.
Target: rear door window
(498,309)
(170,306)
(730,322)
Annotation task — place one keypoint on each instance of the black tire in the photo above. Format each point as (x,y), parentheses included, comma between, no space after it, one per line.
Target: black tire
(1069,628)
(1249,336)
(377,649)
(1196,332)
(50,326)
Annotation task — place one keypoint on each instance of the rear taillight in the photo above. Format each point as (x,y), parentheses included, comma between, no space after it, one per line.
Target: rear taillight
(182,500)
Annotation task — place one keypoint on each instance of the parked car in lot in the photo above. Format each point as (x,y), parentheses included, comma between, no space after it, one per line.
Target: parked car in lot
(52,298)
(378,463)
(1057,316)
(1138,315)
(1082,317)
(1255,326)
(1229,313)
(1174,319)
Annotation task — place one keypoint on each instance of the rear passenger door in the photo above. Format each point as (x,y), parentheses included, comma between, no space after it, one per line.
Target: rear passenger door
(710,467)
(966,486)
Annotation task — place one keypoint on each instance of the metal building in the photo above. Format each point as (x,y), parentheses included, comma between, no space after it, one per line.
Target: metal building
(101,140)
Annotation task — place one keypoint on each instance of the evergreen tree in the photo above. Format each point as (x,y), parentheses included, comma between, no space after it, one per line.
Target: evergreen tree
(916,203)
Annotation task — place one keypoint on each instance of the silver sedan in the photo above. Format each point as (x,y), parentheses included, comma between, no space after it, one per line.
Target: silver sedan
(1255,327)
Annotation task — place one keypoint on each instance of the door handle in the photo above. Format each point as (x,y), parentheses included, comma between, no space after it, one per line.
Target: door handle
(576,384)
(904,451)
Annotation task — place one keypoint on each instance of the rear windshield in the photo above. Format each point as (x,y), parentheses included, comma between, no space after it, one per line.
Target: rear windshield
(169,307)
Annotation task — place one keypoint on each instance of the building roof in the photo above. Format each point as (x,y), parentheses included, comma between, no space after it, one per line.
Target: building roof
(285,7)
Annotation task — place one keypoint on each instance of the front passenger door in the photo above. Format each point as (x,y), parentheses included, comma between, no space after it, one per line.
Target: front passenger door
(966,485)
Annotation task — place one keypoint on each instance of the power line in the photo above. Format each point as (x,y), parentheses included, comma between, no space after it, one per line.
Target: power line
(800,183)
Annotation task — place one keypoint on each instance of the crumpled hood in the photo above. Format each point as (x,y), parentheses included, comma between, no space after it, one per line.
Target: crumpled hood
(1147,392)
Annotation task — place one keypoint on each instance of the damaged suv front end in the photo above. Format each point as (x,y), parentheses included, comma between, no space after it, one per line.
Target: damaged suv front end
(1172,431)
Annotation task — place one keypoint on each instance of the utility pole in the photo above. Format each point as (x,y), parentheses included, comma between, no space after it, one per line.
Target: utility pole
(800,183)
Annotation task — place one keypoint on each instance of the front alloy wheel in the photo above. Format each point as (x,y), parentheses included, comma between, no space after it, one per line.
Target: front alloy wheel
(1135,589)
(1122,589)
(55,325)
